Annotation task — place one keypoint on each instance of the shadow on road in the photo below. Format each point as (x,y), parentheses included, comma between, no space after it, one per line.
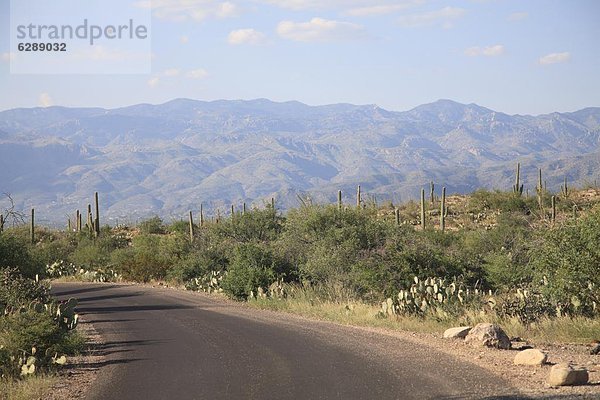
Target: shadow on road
(84,290)
(117,309)
(108,297)
(104,321)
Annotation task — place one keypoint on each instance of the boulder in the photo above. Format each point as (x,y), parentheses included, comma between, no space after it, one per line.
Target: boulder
(531,357)
(595,349)
(567,375)
(489,335)
(457,333)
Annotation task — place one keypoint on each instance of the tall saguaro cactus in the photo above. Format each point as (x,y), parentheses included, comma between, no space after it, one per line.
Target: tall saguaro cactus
(553,209)
(339,200)
(518,187)
(191,227)
(201,215)
(564,189)
(540,190)
(431,192)
(443,210)
(397,214)
(32,226)
(97,219)
(423,209)
(1,222)
(358,197)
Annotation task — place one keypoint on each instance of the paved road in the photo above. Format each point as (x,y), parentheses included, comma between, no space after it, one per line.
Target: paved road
(166,344)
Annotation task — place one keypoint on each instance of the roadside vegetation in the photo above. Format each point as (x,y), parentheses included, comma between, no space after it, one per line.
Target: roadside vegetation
(502,257)
(36,332)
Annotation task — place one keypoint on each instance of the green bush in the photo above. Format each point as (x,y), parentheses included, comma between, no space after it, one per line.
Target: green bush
(17,291)
(505,201)
(33,334)
(153,225)
(567,261)
(150,256)
(251,267)
(198,264)
(15,252)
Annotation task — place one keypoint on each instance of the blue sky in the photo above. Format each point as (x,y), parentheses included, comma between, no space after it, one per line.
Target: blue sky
(519,57)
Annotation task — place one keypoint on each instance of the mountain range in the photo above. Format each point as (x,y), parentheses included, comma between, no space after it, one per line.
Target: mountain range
(167,159)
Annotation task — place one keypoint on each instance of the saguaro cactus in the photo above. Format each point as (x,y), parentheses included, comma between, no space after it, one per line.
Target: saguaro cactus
(431,192)
(397,214)
(90,222)
(553,209)
(540,190)
(518,187)
(423,209)
(443,210)
(201,215)
(97,219)
(191,227)
(358,197)
(1,222)
(339,199)
(564,189)
(32,226)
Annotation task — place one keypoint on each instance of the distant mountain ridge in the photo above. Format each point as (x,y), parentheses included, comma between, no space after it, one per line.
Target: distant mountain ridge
(166,159)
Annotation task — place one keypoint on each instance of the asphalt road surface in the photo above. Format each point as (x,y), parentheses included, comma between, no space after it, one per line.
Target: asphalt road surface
(166,344)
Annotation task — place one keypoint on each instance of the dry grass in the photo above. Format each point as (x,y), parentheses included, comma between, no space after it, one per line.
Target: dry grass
(35,387)
(556,330)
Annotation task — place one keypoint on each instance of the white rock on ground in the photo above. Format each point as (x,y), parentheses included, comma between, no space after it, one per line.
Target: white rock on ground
(457,333)
(531,357)
(567,375)
(489,335)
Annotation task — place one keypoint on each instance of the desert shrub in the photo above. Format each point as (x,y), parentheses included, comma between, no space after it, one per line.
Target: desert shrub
(505,201)
(253,226)
(181,227)
(198,264)
(33,334)
(15,252)
(252,266)
(503,251)
(17,291)
(567,261)
(153,225)
(150,256)
(96,253)
(323,243)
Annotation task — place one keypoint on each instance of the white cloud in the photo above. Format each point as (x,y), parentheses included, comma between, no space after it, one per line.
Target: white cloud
(381,9)
(319,29)
(152,82)
(443,17)
(8,56)
(172,72)
(555,58)
(246,36)
(488,51)
(185,10)
(518,16)
(45,100)
(348,7)
(184,39)
(197,74)
(227,9)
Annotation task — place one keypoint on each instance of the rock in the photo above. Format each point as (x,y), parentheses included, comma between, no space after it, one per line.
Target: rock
(489,335)
(595,350)
(457,333)
(531,357)
(567,375)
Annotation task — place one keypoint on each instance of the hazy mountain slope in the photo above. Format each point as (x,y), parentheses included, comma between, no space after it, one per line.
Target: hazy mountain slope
(169,158)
